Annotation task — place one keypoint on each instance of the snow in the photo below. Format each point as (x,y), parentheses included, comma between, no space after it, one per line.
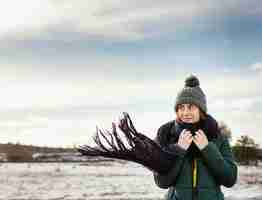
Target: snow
(78,181)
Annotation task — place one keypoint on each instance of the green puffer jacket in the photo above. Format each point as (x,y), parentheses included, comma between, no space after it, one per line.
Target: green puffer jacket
(198,177)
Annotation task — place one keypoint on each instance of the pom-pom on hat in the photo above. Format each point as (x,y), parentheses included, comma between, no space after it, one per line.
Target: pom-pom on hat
(192,94)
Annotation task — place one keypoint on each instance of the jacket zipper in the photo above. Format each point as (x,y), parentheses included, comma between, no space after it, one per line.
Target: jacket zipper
(194,173)
(194,178)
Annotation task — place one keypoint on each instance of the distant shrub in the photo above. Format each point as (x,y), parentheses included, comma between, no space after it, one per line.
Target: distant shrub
(246,151)
(18,153)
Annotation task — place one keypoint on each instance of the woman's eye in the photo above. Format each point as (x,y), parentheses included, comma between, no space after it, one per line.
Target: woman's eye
(191,107)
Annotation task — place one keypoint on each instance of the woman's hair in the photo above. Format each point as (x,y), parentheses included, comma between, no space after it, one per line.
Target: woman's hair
(203,115)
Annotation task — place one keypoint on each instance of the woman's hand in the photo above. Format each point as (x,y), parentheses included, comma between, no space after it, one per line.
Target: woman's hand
(200,139)
(185,139)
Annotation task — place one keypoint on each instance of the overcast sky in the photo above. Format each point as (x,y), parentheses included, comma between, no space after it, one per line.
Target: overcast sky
(67,66)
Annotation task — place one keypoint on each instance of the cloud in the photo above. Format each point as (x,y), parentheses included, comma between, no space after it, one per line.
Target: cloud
(111,20)
(69,125)
(230,86)
(60,62)
(50,85)
(242,115)
(70,94)
(55,126)
(257,67)
(55,95)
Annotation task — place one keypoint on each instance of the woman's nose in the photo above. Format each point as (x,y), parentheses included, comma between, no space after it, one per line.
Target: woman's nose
(187,112)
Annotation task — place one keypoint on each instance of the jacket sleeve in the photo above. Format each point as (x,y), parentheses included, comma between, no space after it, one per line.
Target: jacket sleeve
(221,162)
(166,180)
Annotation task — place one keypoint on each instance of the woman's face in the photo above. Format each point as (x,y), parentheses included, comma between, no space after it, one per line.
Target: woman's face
(188,113)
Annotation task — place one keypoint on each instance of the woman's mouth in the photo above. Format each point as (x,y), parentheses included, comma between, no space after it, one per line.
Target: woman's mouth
(187,119)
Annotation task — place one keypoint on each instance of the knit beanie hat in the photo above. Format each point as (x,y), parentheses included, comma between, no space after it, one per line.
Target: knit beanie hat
(192,94)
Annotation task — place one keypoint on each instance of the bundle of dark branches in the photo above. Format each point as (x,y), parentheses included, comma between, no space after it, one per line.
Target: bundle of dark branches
(130,146)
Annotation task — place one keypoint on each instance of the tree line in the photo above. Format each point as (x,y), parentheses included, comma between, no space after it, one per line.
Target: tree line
(24,153)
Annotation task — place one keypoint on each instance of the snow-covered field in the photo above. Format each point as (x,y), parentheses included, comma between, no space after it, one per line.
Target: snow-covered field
(76,181)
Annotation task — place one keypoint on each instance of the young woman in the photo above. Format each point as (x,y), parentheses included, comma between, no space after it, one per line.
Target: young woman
(205,160)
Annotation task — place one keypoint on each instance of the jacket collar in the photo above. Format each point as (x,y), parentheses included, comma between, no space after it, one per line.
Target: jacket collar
(209,126)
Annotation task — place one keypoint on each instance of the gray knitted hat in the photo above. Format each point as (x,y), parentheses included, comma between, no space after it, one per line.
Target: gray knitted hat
(192,94)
